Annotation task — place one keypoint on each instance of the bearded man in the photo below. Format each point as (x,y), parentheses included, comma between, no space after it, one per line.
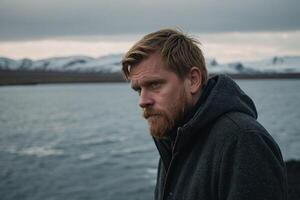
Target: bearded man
(211,146)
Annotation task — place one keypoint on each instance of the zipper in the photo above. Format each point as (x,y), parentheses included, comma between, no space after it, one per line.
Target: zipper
(174,155)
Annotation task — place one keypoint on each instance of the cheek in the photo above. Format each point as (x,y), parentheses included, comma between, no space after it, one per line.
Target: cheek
(168,100)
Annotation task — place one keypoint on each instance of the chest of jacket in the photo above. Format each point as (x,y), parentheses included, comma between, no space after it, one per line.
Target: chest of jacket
(190,173)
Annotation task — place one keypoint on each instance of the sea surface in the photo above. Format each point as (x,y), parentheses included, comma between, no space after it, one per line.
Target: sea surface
(89,141)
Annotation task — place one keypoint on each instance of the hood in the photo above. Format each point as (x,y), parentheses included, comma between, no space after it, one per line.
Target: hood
(220,95)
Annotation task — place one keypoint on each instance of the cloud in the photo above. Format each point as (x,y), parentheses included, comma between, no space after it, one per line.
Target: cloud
(35,19)
(224,47)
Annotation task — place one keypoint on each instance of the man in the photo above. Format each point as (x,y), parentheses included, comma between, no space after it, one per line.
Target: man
(210,144)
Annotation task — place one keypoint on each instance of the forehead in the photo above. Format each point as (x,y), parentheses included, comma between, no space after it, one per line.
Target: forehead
(151,68)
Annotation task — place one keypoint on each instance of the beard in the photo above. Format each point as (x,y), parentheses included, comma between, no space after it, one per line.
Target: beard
(162,122)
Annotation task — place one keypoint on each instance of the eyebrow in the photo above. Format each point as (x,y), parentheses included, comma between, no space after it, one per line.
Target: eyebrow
(147,83)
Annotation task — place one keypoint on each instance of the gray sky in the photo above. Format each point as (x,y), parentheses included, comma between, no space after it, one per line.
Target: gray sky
(38,19)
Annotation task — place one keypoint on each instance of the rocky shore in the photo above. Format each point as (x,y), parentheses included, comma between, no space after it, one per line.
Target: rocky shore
(293,174)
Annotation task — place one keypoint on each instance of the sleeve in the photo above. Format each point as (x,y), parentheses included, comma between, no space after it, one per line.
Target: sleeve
(251,167)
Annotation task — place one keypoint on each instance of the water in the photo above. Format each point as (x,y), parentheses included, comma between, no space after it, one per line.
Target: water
(89,141)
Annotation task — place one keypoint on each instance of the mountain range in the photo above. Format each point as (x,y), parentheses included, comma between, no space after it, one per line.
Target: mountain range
(111,64)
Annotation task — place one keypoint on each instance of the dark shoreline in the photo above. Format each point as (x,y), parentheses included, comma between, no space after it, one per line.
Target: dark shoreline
(24,77)
(293,175)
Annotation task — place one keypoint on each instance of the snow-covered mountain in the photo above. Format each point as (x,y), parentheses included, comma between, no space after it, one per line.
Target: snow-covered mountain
(285,64)
(105,64)
(111,64)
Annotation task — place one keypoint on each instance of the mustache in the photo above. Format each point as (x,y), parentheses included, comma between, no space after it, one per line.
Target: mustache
(150,112)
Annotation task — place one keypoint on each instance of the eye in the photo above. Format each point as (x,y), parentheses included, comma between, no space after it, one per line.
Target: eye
(138,90)
(155,85)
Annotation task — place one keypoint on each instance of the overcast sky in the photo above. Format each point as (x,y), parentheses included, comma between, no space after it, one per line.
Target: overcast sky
(38,19)
(228,29)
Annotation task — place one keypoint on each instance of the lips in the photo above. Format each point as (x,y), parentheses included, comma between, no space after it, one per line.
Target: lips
(151,116)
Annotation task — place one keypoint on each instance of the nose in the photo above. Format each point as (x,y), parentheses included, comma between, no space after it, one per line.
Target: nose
(146,99)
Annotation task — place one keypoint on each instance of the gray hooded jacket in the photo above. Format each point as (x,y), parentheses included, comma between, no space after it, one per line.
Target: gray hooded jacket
(221,152)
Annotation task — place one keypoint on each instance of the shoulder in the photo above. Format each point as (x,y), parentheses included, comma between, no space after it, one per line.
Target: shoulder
(243,131)
(238,121)
(237,124)
(249,163)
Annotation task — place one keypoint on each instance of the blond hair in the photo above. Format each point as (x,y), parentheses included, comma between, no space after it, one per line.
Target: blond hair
(179,52)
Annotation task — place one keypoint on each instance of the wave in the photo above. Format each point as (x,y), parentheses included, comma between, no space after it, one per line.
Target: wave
(39,151)
(86,156)
(131,150)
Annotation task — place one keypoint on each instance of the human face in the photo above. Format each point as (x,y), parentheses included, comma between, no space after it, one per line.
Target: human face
(163,96)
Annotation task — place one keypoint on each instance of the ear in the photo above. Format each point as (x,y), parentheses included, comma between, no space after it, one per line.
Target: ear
(195,80)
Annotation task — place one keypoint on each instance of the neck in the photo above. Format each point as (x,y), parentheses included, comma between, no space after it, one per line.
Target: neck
(196,97)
